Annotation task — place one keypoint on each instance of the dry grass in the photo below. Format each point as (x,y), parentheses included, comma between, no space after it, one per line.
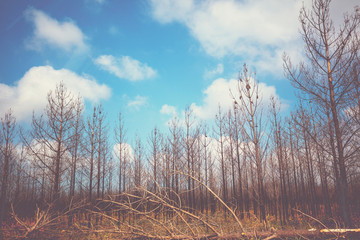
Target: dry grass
(145,215)
(142,214)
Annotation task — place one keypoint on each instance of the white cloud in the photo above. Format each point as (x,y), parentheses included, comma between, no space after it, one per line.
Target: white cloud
(218,93)
(95,2)
(65,35)
(161,9)
(230,27)
(214,148)
(339,8)
(125,67)
(128,151)
(213,72)
(30,92)
(137,102)
(168,110)
(259,31)
(172,113)
(42,151)
(99,1)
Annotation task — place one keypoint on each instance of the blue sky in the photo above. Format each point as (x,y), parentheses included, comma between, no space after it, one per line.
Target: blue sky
(148,59)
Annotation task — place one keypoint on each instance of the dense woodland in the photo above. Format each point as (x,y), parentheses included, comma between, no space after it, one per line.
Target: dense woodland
(251,166)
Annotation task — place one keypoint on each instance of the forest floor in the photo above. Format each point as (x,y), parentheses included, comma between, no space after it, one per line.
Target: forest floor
(264,235)
(294,230)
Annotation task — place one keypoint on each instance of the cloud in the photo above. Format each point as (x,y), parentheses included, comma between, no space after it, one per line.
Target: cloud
(259,31)
(128,151)
(125,67)
(226,27)
(42,152)
(171,112)
(99,1)
(213,72)
(30,92)
(183,11)
(218,94)
(48,31)
(137,102)
(168,110)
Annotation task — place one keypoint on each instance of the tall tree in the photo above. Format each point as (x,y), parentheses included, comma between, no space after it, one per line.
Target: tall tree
(7,151)
(75,150)
(90,147)
(101,138)
(176,151)
(206,156)
(191,134)
(230,152)
(220,132)
(279,149)
(54,132)
(120,139)
(138,162)
(155,141)
(326,78)
(249,102)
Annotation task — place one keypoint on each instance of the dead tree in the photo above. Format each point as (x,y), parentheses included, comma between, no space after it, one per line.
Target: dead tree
(155,141)
(75,150)
(326,77)
(230,152)
(220,135)
(53,132)
(138,163)
(191,134)
(176,150)
(101,138)
(90,147)
(206,156)
(120,139)
(279,149)
(248,100)
(237,126)
(7,150)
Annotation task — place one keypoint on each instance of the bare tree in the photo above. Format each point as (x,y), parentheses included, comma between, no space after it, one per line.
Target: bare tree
(206,157)
(120,138)
(155,141)
(176,152)
(90,146)
(237,127)
(191,134)
(54,133)
(7,151)
(280,151)
(249,104)
(106,165)
(138,162)
(220,134)
(101,138)
(75,150)
(327,77)
(230,153)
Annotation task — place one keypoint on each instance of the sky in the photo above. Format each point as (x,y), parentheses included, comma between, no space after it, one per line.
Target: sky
(148,59)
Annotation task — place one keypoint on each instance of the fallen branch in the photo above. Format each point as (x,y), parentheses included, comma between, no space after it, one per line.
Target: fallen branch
(315,220)
(218,198)
(340,230)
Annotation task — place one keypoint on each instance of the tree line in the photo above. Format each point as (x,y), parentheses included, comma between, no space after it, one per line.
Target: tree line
(260,162)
